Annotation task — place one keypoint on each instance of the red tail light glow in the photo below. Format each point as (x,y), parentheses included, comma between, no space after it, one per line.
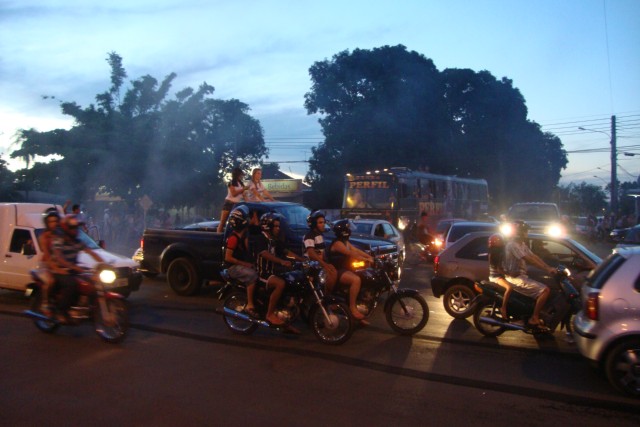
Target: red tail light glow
(591,306)
(436,264)
(142,243)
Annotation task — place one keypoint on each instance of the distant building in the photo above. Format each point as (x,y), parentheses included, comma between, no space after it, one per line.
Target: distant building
(283,187)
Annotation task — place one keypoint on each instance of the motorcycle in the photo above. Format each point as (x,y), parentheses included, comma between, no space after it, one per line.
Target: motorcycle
(563,302)
(107,310)
(406,311)
(303,296)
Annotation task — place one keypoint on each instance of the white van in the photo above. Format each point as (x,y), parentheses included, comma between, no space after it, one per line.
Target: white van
(20,226)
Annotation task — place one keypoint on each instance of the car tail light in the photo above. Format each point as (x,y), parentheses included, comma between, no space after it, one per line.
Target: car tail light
(591,306)
(142,243)
(436,264)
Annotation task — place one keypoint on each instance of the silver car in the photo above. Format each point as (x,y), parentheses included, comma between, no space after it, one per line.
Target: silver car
(466,261)
(383,229)
(608,327)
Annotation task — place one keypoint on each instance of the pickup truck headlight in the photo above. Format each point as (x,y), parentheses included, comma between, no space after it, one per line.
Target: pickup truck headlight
(554,230)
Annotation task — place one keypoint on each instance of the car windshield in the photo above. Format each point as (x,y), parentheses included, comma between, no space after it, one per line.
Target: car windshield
(296,215)
(457,231)
(360,227)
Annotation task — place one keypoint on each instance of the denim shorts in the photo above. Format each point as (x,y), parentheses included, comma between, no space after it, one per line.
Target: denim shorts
(243,274)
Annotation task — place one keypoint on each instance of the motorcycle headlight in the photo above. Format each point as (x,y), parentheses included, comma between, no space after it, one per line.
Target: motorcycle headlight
(437,243)
(322,277)
(357,264)
(107,276)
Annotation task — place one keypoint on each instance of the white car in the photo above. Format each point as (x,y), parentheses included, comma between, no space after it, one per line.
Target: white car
(608,327)
(383,229)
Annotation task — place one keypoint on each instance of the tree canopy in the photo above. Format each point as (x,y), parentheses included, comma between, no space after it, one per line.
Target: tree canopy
(392,107)
(174,149)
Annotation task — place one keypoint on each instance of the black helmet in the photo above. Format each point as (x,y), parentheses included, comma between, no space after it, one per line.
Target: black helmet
(239,218)
(342,229)
(496,241)
(312,219)
(267,219)
(50,213)
(520,228)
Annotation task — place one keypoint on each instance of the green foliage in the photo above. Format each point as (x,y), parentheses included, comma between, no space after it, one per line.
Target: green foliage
(7,184)
(176,150)
(392,107)
(581,199)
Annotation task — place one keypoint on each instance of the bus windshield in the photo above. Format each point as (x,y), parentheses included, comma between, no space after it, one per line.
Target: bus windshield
(359,195)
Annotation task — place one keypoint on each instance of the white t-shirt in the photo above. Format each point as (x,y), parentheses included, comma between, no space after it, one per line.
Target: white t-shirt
(258,188)
(231,197)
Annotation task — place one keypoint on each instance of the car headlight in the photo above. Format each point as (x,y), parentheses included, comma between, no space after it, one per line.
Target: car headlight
(555,230)
(506,229)
(107,276)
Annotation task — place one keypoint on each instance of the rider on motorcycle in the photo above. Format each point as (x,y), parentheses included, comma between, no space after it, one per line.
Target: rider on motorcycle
(51,219)
(64,261)
(497,272)
(271,254)
(341,253)
(518,255)
(238,256)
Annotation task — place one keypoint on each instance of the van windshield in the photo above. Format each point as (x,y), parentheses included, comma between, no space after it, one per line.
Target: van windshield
(534,212)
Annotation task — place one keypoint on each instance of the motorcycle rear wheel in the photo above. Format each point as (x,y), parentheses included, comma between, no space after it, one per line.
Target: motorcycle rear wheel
(237,301)
(341,327)
(44,325)
(112,332)
(487,308)
(410,321)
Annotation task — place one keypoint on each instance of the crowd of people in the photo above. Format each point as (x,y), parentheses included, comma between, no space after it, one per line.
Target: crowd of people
(255,255)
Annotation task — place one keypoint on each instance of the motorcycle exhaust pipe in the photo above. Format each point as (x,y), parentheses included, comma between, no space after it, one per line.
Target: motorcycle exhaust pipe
(37,315)
(506,325)
(242,316)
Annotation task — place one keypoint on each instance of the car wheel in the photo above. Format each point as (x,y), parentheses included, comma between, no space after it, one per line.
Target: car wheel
(183,277)
(623,366)
(457,301)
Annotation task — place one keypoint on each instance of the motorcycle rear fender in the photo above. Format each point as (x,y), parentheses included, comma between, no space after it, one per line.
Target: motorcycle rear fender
(400,293)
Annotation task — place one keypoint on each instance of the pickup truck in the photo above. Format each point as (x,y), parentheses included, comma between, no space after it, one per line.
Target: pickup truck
(190,258)
(21,225)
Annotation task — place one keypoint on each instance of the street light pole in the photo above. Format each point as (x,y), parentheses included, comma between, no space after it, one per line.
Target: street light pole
(614,173)
(614,165)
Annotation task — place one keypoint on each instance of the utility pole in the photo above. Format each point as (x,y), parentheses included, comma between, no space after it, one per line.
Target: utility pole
(614,173)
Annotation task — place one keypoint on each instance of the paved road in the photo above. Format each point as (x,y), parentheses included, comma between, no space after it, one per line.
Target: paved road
(181,366)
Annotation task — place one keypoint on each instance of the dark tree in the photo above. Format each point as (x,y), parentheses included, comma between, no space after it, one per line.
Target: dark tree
(392,107)
(176,150)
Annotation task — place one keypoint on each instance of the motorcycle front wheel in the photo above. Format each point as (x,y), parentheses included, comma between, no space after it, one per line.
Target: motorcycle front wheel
(113,327)
(237,301)
(44,325)
(407,314)
(487,308)
(335,330)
